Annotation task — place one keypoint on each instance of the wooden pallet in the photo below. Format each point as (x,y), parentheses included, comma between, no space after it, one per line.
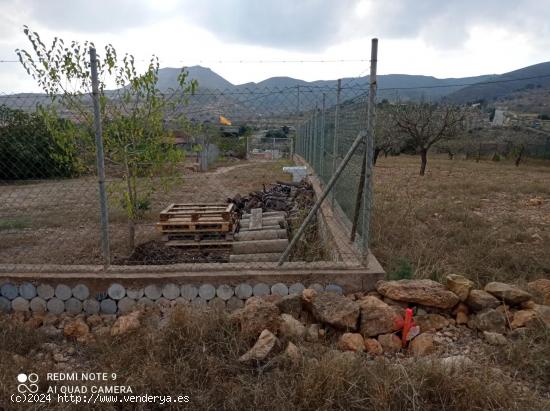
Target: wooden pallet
(176,226)
(208,244)
(197,212)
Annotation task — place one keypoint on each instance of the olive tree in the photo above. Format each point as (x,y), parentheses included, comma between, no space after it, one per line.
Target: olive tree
(425,124)
(136,141)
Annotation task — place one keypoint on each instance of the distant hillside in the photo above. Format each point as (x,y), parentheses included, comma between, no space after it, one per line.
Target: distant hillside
(506,85)
(168,78)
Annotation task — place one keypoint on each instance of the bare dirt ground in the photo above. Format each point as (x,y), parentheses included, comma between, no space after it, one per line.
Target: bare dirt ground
(57,222)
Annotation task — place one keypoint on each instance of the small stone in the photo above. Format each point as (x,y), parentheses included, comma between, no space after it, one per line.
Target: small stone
(225,292)
(162,302)
(260,289)
(491,320)
(116,291)
(422,345)
(528,305)
(181,301)
(135,293)
(170,291)
(509,293)
(34,322)
(152,291)
(317,287)
(523,318)
(207,291)
(291,304)
(308,295)
(45,291)
(126,305)
(189,292)
(94,320)
(390,342)
(108,306)
(334,288)
(479,300)
(9,291)
(55,305)
(373,347)
(20,304)
(27,291)
(81,292)
(217,303)
(291,327)
(73,306)
(145,302)
(296,288)
(494,338)
(279,289)
(5,305)
(456,362)
(90,306)
(243,291)
(351,342)
(63,292)
(461,307)
(126,323)
(38,305)
(234,303)
(459,285)
(266,344)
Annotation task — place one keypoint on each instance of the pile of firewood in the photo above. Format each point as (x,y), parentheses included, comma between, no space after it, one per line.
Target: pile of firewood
(282,196)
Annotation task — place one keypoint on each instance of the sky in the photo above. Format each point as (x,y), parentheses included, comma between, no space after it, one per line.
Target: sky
(442,38)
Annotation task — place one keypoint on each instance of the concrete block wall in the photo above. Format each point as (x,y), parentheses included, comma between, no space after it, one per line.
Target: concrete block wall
(119,299)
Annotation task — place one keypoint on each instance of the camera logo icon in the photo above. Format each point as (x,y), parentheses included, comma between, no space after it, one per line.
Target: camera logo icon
(27,383)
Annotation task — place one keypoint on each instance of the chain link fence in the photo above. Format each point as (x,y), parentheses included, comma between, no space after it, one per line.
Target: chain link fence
(49,195)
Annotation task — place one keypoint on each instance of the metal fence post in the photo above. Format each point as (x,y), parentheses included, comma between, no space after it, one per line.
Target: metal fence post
(100,161)
(369,150)
(335,140)
(322,142)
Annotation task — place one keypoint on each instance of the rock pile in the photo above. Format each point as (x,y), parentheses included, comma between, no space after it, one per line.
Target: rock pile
(373,322)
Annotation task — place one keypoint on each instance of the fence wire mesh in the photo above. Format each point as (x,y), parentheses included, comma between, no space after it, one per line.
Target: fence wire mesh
(49,196)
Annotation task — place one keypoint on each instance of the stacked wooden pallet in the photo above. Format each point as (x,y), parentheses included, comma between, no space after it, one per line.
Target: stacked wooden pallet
(198,225)
(261,237)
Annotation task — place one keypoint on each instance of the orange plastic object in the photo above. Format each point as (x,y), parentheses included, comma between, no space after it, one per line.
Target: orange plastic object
(408,323)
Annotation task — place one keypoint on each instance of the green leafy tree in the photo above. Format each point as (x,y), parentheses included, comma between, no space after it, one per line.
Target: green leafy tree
(135,137)
(28,148)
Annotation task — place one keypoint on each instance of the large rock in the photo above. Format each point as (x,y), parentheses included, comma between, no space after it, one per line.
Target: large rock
(76,329)
(351,342)
(258,315)
(293,354)
(422,345)
(266,344)
(335,310)
(291,328)
(126,323)
(541,290)
(390,342)
(491,320)
(479,300)
(431,322)
(291,304)
(425,292)
(539,315)
(509,293)
(377,317)
(459,285)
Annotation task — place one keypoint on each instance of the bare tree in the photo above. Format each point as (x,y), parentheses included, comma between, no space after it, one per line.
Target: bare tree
(425,124)
(387,139)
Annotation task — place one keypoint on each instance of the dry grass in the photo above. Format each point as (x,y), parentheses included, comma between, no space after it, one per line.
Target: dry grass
(476,219)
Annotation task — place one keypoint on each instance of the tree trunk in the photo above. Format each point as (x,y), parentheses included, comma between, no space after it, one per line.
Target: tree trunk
(424,159)
(520,154)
